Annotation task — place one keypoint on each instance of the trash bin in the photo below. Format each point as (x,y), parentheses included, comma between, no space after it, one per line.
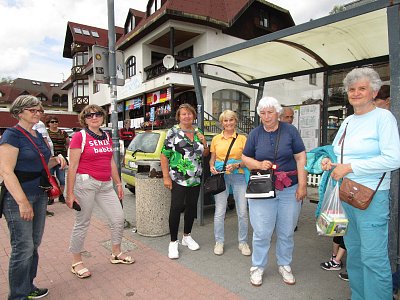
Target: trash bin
(153,202)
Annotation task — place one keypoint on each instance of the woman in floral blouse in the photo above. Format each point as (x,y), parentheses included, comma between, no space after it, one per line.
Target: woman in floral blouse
(181,159)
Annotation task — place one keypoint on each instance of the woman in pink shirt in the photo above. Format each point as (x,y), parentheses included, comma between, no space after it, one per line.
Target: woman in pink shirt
(91,174)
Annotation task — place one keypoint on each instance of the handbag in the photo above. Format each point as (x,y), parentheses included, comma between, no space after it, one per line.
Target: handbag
(354,193)
(215,184)
(261,183)
(53,189)
(3,190)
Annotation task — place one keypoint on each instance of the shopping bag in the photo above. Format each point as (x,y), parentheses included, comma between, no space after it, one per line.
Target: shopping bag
(333,220)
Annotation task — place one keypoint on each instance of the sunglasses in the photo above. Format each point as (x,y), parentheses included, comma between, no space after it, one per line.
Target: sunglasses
(53,122)
(92,115)
(34,110)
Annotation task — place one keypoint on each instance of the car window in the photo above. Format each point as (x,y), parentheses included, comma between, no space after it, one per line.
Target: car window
(144,142)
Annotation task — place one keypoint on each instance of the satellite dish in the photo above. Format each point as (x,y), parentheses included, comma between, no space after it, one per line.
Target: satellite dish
(168,61)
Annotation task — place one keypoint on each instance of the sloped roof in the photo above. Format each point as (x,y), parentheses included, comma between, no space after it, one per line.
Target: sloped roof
(87,39)
(18,86)
(358,34)
(221,13)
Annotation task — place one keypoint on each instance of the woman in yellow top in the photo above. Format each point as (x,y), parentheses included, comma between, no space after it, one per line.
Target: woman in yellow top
(234,178)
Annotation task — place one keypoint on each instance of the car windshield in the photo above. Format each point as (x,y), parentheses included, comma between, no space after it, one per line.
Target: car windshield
(144,142)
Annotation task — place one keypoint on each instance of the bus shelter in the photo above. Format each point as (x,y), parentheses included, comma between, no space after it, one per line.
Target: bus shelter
(359,36)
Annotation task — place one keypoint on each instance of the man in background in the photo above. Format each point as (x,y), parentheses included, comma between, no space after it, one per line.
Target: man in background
(382,100)
(287,115)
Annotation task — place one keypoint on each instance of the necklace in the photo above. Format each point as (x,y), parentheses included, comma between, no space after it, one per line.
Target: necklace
(103,136)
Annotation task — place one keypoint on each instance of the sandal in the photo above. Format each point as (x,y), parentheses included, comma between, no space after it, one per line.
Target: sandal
(80,273)
(115,259)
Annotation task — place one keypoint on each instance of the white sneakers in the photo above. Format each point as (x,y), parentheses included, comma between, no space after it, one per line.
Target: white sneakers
(173,252)
(287,275)
(244,247)
(219,248)
(256,276)
(257,273)
(190,243)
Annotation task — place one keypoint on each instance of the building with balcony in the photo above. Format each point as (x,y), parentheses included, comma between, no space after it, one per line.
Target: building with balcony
(179,30)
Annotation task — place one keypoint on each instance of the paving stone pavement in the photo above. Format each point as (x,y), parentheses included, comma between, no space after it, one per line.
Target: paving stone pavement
(195,275)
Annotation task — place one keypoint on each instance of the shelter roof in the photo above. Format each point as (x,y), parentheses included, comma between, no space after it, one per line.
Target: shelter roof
(358,34)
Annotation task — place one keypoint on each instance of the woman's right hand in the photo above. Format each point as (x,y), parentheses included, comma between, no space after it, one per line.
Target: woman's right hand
(326,164)
(265,165)
(213,170)
(25,211)
(168,182)
(71,199)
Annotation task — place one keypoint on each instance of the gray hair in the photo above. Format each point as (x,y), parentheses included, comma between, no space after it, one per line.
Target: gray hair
(285,108)
(363,73)
(23,102)
(268,102)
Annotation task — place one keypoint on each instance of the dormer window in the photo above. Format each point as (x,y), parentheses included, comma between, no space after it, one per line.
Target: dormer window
(130,24)
(264,20)
(155,6)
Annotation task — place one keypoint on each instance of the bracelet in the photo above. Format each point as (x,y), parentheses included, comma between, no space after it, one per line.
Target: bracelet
(118,184)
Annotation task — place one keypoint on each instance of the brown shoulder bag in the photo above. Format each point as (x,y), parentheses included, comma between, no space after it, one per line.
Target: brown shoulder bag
(353,193)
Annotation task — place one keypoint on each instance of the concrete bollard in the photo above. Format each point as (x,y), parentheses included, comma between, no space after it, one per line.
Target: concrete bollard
(153,202)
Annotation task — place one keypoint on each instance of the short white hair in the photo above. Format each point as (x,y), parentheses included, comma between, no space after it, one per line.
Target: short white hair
(268,102)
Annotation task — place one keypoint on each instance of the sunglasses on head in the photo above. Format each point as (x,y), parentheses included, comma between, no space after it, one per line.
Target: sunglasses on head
(34,110)
(92,115)
(53,122)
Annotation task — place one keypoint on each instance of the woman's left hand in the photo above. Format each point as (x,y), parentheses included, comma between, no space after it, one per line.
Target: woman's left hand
(120,192)
(61,161)
(231,167)
(301,193)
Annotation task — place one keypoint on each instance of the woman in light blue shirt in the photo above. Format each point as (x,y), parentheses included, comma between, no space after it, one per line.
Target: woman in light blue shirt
(371,148)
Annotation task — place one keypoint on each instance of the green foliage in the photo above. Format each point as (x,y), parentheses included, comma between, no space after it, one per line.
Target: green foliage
(336,9)
(6,79)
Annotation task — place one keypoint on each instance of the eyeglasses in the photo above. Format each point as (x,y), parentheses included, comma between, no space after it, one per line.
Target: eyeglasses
(53,122)
(92,115)
(34,110)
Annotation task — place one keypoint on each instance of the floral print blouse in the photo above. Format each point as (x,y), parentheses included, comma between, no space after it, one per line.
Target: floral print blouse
(184,157)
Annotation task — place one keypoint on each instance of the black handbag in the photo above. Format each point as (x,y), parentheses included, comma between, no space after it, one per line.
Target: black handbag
(261,183)
(3,190)
(215,184)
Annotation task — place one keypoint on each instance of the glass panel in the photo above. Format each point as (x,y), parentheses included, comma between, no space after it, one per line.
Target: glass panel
(145,142)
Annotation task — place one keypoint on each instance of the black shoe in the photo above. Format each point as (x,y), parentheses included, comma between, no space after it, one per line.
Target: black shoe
(49,213)
(50,202)
(295,229)
(38,293)
(61,198)
(344,276)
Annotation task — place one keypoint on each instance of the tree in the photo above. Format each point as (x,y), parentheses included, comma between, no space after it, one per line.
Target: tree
(7,79)
(336,9)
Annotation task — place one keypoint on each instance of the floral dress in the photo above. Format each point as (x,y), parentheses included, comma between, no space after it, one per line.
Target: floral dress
(184,157)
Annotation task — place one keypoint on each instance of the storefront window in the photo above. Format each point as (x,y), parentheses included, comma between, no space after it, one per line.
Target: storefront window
(230,99)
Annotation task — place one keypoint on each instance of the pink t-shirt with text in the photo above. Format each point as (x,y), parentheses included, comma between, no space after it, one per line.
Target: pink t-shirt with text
(96,156)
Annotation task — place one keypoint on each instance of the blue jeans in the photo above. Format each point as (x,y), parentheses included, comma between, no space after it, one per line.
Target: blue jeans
(238,184)
(25,238)
(367,250)
(59,173)
(279,214)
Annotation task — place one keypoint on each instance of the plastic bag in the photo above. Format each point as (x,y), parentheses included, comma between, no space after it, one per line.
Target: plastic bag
(333,220)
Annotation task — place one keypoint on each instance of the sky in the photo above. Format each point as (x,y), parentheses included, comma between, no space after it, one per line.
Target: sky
(32,32)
